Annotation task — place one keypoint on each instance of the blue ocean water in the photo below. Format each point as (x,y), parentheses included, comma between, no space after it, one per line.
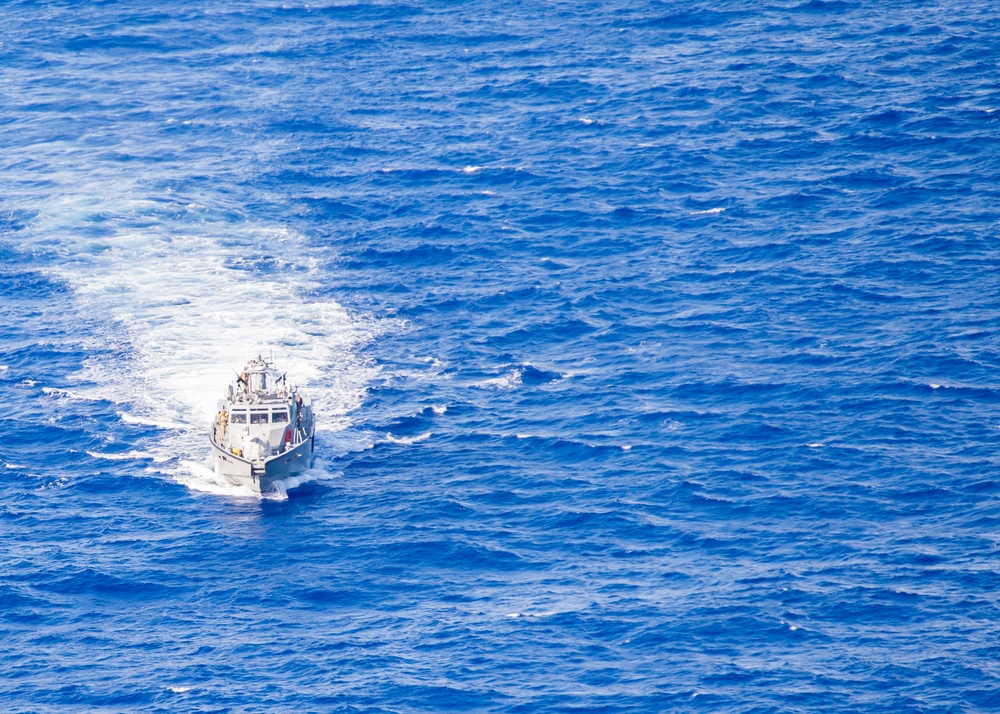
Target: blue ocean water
(654,347)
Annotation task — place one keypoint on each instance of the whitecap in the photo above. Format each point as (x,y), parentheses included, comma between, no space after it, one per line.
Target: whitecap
(159,423)
(66,394)
(407,440)
(505,381)
(127,456)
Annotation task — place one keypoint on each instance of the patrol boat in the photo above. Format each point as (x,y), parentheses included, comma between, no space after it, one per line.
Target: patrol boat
(264,429)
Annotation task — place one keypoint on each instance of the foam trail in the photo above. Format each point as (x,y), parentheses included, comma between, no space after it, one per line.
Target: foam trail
(192,295)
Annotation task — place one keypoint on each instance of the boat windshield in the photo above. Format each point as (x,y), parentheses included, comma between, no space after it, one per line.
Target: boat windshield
(238,418)
(258,417)
(279,416)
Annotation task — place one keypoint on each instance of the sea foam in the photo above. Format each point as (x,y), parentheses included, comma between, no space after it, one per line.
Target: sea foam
(185,300)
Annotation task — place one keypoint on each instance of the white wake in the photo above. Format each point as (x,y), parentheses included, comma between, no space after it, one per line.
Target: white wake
(186,295)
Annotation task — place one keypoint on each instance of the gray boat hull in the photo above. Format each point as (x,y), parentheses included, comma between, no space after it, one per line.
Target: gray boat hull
(261,477)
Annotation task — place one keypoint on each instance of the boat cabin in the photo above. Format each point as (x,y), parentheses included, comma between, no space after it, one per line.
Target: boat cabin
(258,415)
(268,424)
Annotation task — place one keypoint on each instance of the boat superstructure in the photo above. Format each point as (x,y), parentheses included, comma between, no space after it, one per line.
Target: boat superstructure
(263,430)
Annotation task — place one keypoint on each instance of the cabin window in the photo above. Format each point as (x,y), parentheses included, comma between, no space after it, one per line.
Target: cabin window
(238,418)
(258,417)
(279,416)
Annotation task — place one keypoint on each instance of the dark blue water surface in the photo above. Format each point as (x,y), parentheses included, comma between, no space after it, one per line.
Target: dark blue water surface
(655,346)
